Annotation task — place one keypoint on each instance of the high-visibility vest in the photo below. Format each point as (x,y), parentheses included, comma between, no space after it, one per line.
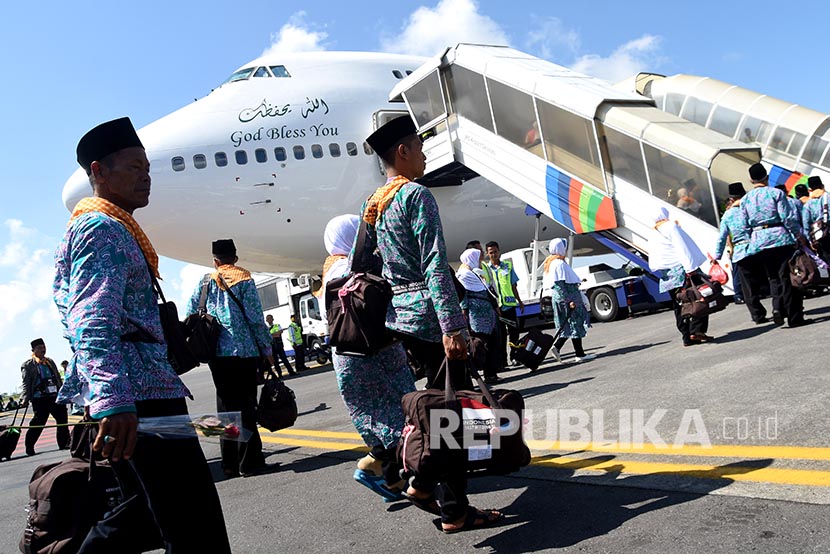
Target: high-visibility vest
(504,285)
(295,334)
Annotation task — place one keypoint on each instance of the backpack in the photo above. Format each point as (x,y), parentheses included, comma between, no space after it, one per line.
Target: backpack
(357,305)
(66,499)
(201,329)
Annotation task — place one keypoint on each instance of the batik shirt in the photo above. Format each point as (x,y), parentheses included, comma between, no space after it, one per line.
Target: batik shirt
(103,290)
(797,206)
(767,206)
(239,336)
(672,279)
(411,243)
(812,211)
(733,223)
(480,311)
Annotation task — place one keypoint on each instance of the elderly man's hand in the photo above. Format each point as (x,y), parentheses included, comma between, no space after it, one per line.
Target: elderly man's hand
(455,347)
(116,436)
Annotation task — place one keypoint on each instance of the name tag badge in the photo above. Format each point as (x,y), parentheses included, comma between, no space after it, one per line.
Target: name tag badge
(52,389)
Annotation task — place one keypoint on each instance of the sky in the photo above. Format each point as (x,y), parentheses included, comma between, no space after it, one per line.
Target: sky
(68,66)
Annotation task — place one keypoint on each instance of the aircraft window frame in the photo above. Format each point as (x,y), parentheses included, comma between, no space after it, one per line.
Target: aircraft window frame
(367,149)
(199,161)
(513,111)
(261,71)
(317,150)
(240,75)
(220,159)
(575,148)
(334,150)
(697,110)
(397,74)
(468,95)
(279,71)
(260,155)
(177,162)
(725,120)
(668,174)
(299,152)
(241,157)
(826,160)
(815,148)
(351,148)
(759,130)
(625,156)
(279,154)
(426,100)
(781,138)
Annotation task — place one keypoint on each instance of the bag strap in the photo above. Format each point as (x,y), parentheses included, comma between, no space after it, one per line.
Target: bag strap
(203,295)
(449,390)
(360,261)
(241,308)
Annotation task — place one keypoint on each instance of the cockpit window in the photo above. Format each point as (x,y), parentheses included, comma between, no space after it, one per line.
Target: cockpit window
(240,75)
(280,71)
(262,72)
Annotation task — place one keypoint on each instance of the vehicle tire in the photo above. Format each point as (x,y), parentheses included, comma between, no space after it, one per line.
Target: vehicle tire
(316,347)
(604,306)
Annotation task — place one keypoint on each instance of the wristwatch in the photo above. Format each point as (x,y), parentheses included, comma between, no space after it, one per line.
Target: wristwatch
(454,333)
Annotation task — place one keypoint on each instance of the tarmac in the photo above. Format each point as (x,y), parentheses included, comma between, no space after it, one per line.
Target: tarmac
(651,447)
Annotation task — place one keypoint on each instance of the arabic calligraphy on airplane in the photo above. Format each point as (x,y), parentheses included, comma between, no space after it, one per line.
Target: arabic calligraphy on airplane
(268,110)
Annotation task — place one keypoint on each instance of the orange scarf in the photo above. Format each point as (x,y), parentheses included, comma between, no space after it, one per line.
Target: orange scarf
(816,193)
(550,260)
(330,260)
(98,204)
(231,274)
(381,199)
(40,361)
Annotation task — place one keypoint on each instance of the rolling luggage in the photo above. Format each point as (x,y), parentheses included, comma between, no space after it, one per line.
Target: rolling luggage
(534,347)
(9,436)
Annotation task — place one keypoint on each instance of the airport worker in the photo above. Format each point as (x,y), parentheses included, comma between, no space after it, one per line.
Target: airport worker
(671,250)
(295,336)
(403,221)
(479,307)
(816,210)
(104,292)
(734,228)
(561,283)
(277,349)
(505,280)
(233,301)
(775,230)
(371,386)
(41,382)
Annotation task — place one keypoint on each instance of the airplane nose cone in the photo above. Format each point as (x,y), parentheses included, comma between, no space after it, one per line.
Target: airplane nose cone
(76,188)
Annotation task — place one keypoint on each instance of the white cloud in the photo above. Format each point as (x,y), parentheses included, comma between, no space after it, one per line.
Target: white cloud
(429,30)
(550,37)
(627,60)
(296,36)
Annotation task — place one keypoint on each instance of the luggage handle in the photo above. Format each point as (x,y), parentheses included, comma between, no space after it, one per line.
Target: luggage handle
(449,391)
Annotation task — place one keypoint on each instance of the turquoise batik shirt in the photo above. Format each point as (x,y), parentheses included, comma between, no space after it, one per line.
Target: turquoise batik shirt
(239,337)
(103,290)
(770,218)
(812,211)
(411,243)
(733,223)
(672,279)
(480,311)
(796,206)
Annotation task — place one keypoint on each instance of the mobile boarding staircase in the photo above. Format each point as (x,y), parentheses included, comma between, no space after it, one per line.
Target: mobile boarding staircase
(595,159)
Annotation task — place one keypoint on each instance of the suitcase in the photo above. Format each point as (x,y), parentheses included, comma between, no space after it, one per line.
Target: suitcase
(535,346)
(9,436)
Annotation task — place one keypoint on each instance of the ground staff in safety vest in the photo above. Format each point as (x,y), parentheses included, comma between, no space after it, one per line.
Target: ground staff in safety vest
(295,336)
(504,281)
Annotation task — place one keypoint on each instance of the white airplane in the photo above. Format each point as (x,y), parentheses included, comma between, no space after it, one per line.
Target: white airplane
(277,150)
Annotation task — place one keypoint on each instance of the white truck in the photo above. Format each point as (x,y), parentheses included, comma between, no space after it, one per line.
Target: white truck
(283,296)
(610,291)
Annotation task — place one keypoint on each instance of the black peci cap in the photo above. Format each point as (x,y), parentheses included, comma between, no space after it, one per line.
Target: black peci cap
(390,133)
(801,190)
(757,172)
(736,189)
(38,342)
(224,248)
(105,139)
(814,182)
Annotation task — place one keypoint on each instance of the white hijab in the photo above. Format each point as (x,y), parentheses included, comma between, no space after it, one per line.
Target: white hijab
(559,270)
(670,246)
(339,237)
(468,278)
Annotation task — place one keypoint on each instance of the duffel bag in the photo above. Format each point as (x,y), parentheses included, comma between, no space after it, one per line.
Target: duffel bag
(807,269)
(450,429)
(699,300)
(277,408)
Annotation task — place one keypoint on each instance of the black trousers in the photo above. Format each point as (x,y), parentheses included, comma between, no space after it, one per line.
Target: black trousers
(279,355)
(299,357)
(786,299)
(492,364)
(450,488)
(508,333)
(687,325)
(178,483)
(235,381)
(751,275)
(577,342)
(42,408)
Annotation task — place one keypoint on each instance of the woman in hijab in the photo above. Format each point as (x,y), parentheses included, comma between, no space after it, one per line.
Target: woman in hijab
(672,251)
(479,309)
(371,387)
(561,283)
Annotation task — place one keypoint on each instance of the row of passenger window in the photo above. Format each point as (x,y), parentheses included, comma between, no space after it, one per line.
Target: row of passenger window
(220,158)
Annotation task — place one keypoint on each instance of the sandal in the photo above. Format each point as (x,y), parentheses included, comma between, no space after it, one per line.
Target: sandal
(428,504)
(475,519)
(377,484)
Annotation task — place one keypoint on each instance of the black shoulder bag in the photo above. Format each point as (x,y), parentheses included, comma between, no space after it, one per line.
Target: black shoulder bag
(357,305)
(201,329)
